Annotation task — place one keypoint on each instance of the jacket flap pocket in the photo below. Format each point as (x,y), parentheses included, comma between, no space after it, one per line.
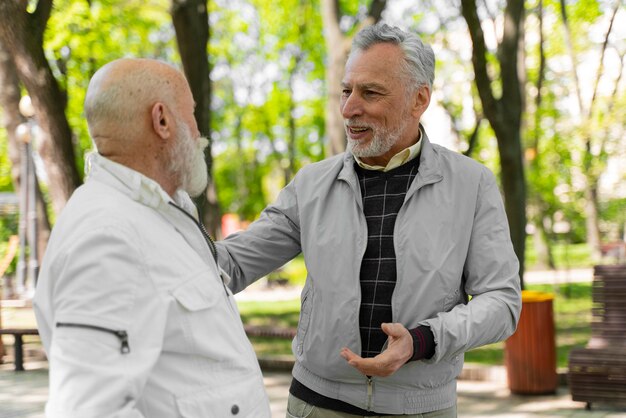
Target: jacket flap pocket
(240,399)
(198,293)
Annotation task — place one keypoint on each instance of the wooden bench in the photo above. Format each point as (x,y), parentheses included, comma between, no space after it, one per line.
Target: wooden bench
(18,334)
(597,373)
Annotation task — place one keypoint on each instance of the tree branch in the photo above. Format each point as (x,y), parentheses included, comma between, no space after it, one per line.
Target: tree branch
(513,16)
(540,76)
(479,57)
(376,8)
(472,140)
(600,71)
(41,15)
(572,54)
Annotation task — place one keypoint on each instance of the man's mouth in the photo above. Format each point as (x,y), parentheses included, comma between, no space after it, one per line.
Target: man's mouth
(356,130)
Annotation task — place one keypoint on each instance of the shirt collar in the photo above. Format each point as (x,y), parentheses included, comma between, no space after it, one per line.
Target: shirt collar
(138,186)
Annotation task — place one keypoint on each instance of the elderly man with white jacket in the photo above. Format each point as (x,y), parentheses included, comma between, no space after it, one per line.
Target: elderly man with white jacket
(134,313)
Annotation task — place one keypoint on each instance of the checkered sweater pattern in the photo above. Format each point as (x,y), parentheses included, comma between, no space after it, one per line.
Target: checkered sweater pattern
(383,194)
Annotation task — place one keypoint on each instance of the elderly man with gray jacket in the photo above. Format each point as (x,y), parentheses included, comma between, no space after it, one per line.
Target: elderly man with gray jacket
(407,248)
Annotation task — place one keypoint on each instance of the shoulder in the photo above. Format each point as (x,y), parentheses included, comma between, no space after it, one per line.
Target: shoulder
(94,206)
(460,166)
(319,174)
(328,165)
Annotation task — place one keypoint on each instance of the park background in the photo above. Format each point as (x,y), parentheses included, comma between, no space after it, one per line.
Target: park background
(533,89)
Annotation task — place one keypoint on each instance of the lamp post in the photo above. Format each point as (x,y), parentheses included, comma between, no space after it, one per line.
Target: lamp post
(26,132)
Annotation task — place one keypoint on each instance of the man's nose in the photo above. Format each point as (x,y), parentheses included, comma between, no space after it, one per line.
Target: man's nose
(351,106)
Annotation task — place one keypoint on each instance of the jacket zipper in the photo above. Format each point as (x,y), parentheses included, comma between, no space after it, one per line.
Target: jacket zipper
(201,227)
(207,238)
(121,335)
(370,392)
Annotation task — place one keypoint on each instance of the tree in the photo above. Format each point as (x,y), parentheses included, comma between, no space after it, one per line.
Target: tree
(22,34)
(9,102)
(504,113)
(338,43)
(594,140)
(191,23)
(268,105)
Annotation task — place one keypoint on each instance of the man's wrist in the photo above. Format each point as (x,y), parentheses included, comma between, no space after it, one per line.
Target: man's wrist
(423,343)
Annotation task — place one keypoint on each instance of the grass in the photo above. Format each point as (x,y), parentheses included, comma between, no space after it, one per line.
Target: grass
(283,314)
(565,255)
(572,316)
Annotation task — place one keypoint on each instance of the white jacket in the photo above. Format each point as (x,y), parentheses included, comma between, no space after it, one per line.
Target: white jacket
(132,311)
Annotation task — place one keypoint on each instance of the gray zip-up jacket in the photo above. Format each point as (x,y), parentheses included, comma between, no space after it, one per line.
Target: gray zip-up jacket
(451,241)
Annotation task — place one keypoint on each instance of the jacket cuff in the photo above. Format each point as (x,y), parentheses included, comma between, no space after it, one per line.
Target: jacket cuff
(423,343)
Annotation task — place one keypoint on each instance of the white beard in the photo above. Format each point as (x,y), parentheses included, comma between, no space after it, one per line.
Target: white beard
(187,161)
(380,144)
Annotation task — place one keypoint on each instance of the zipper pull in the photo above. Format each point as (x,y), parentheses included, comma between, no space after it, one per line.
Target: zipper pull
(370,392)
(123,336)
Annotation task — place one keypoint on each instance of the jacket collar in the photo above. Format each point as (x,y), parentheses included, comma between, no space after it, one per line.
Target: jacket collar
(429,169)
(134,184)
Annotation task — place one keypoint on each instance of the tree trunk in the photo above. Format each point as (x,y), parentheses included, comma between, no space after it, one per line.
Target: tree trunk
(22,34)
(9,101)
(505,113)
(592,218)
(338,47)
(191,23)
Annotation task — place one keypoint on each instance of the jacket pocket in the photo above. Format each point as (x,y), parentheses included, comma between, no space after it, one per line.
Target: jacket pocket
(197,294)
(305,318)
(242,399)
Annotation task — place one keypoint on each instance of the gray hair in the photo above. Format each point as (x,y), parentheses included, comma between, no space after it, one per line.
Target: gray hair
(419,58)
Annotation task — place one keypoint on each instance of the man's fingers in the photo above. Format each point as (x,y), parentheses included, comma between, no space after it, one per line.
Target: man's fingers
(349,355)
(375,366)
(393,329)
(386,363)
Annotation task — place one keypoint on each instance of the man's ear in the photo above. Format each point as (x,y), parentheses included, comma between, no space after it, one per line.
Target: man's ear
(161,120)
(421,100)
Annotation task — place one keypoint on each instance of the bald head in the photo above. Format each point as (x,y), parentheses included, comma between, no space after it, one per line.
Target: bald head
(121,94)
(138,112)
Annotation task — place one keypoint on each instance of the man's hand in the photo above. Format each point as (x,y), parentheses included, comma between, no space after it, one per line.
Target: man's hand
(399,351)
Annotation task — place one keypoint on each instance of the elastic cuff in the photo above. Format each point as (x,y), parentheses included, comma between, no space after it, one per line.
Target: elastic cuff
(423,343)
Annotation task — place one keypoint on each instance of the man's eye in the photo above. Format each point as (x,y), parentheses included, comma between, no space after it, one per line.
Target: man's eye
(345,92)
(371,93)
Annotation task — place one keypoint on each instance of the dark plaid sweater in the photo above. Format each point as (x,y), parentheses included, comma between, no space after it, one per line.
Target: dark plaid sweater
(383,195)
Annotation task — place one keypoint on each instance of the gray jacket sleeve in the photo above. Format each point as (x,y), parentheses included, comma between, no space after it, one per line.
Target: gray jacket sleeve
(491,278)
(266,245)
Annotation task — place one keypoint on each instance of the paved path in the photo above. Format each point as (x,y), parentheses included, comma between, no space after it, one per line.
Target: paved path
(24,394)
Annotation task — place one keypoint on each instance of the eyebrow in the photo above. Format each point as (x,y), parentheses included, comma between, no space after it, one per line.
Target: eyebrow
(366,86)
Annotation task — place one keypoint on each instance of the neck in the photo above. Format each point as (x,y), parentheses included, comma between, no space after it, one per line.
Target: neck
(149,167)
